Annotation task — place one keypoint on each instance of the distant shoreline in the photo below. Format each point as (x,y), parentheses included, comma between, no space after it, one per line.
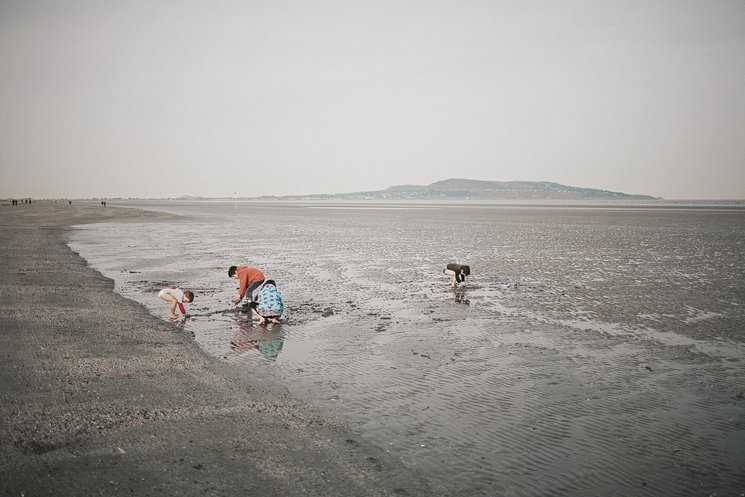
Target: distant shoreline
(454,190)
(465,201)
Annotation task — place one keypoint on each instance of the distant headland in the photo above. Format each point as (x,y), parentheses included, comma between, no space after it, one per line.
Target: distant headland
(469,189)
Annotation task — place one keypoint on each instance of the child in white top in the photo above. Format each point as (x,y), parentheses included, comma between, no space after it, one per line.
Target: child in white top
(176,297)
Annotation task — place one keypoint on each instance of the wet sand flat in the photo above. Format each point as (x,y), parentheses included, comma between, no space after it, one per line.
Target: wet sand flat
(594,351)
(98,397)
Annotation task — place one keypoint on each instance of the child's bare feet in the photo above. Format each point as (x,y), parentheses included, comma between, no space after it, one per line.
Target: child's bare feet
(174,318)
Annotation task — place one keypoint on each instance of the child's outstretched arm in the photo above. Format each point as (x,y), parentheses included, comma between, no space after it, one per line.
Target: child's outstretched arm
(243,279)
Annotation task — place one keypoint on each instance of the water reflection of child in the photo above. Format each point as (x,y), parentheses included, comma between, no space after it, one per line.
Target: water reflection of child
(176,297)
(265,341)
(459,296)
(457,273)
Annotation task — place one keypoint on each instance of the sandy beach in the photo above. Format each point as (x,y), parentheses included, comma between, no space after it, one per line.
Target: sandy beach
(98,397)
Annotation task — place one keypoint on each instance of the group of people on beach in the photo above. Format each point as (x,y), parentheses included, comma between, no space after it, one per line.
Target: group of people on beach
(267,304)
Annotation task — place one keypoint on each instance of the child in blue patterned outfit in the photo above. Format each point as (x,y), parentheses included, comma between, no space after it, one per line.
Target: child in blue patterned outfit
(268,305)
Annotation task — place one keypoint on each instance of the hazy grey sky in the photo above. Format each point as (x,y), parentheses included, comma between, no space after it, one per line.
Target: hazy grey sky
(157,98)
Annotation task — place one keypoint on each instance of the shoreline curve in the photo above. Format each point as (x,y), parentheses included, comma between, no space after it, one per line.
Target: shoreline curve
(97,396)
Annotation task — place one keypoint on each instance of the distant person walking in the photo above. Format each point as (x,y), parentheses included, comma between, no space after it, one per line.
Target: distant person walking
(250,279)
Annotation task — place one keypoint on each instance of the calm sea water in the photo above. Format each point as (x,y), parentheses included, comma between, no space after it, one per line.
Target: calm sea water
(594,351)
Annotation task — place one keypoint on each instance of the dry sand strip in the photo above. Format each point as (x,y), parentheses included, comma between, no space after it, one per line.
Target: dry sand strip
(97,397)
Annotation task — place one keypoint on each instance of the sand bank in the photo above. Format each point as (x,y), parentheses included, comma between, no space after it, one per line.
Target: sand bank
(99,397)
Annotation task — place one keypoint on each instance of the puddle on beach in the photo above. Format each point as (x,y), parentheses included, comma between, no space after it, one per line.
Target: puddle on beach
(592,352)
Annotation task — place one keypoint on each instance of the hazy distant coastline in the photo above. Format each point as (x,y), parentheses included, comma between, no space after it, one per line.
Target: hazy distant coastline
(456,190)
(461,189)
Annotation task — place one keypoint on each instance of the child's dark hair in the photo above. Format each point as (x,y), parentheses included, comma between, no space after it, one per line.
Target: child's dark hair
(232,271)
(466,270)
(189,295)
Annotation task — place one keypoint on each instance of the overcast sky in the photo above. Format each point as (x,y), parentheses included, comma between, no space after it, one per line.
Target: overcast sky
(157,98)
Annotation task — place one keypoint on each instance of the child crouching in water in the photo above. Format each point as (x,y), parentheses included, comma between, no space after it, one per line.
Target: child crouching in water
(457,273)
(176,297)
(268,305)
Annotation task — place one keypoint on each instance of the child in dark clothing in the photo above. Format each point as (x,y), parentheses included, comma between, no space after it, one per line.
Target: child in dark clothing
(457,273)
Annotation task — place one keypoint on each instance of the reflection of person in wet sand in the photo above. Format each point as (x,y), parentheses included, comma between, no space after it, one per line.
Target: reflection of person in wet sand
(268,342)
(459,296)
(457,273)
